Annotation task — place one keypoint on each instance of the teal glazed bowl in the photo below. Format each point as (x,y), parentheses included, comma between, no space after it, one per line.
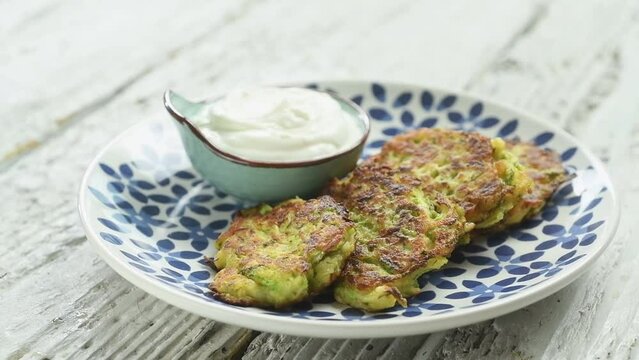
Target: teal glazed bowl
(261,181)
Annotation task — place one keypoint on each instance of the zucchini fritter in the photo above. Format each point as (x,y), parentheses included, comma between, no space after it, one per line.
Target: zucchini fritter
(277,256)
(544,167)
(403,229)
(473,170)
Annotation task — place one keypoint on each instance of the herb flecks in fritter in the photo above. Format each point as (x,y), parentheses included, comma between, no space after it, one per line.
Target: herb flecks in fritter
(403,230)
(277,256)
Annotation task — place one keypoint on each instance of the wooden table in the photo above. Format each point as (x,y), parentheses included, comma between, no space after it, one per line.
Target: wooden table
(73,74)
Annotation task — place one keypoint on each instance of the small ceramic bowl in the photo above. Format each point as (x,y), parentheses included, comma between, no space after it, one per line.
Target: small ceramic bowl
(262,181)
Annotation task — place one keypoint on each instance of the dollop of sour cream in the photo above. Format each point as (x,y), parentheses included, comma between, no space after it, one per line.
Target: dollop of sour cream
(279,124)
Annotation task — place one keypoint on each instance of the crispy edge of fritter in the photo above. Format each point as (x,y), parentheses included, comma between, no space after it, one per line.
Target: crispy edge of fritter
(361,285)
(514,175)
(321,252)
(545,169)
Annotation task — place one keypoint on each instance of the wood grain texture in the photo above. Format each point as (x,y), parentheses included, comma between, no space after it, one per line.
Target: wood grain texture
(74,74)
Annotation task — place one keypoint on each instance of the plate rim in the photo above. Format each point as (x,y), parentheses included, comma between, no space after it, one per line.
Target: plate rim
(365,329)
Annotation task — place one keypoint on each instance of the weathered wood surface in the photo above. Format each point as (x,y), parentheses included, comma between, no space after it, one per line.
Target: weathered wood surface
(74,74)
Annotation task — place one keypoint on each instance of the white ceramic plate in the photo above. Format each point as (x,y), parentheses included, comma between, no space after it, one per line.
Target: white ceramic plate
(153,219)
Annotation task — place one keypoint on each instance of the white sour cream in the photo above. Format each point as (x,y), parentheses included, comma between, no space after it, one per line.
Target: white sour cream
(279,124)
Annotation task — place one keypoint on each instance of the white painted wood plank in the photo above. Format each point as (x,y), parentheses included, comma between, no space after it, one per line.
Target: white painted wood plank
(60,60)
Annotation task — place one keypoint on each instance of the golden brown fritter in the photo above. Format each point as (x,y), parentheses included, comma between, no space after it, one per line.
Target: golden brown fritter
(469,168)
(403,230)
(544,167)
(278,256)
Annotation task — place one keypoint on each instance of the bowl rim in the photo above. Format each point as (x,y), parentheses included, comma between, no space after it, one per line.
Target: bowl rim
(361,115)
(237,316)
